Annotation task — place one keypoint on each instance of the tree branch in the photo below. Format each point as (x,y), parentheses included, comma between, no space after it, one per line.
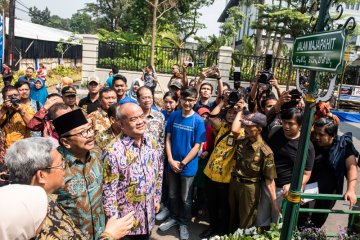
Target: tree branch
(150,3)
(192,31)
(163,12)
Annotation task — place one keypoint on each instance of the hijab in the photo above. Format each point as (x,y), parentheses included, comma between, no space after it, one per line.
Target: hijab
(39,94)
(23,209)
(131,92)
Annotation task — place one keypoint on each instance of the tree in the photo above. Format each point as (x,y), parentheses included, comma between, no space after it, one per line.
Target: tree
(65,44)
(38,16)
(108,13)
(159,8)
(229,29)
(186,17)
(81,22)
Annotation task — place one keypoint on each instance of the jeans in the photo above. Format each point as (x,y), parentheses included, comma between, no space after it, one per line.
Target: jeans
(180,197)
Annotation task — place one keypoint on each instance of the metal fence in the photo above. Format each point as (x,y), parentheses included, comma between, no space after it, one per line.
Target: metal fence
(249,65)
(135,57)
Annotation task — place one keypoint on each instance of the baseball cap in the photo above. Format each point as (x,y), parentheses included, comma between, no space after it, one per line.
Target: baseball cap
(203,110)
(253,119)
(68,91)
(176,84)
(93,79)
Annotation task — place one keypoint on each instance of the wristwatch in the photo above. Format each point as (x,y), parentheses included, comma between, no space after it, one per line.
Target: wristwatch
(182,165)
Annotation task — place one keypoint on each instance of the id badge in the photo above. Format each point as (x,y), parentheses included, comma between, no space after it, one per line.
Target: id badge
(230,141)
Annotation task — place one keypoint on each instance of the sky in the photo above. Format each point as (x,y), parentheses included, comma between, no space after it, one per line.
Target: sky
(65,8)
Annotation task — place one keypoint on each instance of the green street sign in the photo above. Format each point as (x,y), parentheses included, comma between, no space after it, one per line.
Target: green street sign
(322,51)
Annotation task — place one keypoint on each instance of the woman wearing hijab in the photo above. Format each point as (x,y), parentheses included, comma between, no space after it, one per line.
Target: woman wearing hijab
(38,91)
(23,210)
(135,85)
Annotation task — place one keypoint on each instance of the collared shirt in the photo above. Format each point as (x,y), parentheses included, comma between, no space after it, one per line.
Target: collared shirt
(132,180)
(58,224)
(89,106)
(254,160)
(105,138)
(82,195)
(15,129)
(100,121)
(156,126)
(221,161)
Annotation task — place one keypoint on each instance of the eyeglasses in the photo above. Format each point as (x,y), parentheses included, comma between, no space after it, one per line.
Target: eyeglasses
(84,133)
(60,166)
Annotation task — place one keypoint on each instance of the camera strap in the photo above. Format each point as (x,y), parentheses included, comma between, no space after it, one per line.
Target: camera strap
(222,137)
(7,119)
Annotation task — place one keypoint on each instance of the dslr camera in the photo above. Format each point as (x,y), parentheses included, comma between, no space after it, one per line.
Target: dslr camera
(234,97)
(15,101)
(266,75)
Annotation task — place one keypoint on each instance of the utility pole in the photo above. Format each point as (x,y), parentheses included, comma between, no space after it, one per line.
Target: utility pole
(11,38)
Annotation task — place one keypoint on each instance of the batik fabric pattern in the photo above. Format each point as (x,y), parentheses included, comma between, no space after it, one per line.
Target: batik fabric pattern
(99,120)
(82,195)
(156,126)
(58,224)
(132,180)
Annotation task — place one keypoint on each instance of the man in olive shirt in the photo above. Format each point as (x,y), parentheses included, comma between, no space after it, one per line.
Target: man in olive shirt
(254,162)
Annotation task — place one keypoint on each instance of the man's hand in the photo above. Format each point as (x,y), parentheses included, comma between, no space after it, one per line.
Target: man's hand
(184,66)
(175,166)
(217,74)
(285,97)
(276,207)
(286,189)
(2,175)
(350,196)
(51,101)
(120,227)
(157,207)
(7,104)
(274,82)
(204,155)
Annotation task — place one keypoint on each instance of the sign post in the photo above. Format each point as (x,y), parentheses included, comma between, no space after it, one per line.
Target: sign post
(322,51)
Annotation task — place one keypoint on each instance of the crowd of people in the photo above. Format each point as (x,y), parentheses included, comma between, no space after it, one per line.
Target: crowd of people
(111,164)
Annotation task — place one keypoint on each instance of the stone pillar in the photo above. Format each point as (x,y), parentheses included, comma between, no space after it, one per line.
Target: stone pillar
(224,62)
(90,47)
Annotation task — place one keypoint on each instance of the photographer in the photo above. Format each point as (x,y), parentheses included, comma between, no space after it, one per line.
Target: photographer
(149,78)
(177,76)
(14,116)
(205,90)
(260,90)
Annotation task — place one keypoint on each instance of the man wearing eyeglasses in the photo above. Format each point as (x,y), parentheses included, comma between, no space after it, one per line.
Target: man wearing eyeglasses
(185,133)
(82,195)
(48,171)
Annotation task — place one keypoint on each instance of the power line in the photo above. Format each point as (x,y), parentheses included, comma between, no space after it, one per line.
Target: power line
(22,4)
(22,10)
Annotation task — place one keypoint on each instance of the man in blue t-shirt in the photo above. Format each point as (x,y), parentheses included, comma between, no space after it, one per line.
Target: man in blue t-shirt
(119,84)
(185,133)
